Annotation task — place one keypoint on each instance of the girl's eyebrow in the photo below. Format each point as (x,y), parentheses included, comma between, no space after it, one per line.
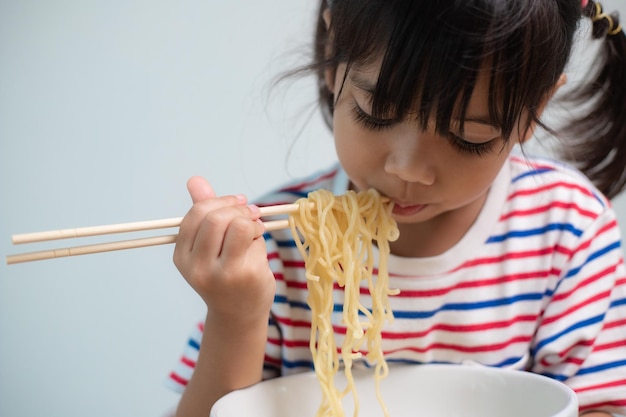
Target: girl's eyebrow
(362,83)
(482,120)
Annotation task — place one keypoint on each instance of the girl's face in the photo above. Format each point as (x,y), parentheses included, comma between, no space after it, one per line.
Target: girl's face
(429,176)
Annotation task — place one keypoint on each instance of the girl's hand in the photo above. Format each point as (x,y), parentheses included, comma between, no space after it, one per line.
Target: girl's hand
(221,252)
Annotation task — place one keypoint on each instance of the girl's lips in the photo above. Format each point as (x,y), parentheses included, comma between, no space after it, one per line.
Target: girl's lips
(407,210)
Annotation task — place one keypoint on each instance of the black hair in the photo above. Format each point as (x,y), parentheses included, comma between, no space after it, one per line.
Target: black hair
(434,51)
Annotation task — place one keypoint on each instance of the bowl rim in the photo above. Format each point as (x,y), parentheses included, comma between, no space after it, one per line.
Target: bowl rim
(365,372)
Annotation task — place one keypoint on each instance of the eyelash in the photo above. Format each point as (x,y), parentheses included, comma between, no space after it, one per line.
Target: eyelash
(368,121)
(478,149)
(372,123)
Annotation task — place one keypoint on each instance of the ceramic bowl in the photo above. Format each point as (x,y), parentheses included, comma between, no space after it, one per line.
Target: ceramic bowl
(412,391)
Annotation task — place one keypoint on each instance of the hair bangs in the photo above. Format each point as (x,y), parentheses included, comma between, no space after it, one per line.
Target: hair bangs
(431,56)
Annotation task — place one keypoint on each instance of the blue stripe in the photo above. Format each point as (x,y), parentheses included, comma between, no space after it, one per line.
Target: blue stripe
(533,232)
(468,306)
(286,243)
(602,367)
(584,323)
(193,344)
(590,370)
(405,361)
(337,308)
(593,256)
(558,377)
(273,368)
(618,303)
(298,364)
(281,299)
(533,172)
(575,271)
(507,362)
(293,192)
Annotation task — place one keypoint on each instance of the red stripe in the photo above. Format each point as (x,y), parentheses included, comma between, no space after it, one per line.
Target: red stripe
(562,355)
(476,284)
(460,328)
(553,205)
(273,361)
(563,184)
(341,330)
(188,362)
(601,231)
(179,379)
(475,262)
(515,255)
(610,384)
(445,290)
(612,324)
(437,327)
(575,307)
(613,345)
(528,163)
(292,323)
(464,348)
(584,283)
(433,346)
(274,341)
(293,264)
(606,404)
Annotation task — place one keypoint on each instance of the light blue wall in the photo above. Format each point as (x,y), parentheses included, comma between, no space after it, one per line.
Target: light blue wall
(106,108)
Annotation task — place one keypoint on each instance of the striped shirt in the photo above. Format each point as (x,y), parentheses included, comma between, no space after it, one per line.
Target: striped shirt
(538,283)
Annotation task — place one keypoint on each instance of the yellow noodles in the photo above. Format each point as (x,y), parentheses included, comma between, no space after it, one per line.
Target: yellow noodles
(336,240)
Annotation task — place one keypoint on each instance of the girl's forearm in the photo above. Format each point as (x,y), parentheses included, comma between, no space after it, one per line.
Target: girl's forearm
(231,357)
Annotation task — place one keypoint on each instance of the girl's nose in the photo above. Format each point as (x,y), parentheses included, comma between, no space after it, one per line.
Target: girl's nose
(411,156)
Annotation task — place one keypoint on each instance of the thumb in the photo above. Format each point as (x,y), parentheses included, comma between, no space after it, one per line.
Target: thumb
(199,189)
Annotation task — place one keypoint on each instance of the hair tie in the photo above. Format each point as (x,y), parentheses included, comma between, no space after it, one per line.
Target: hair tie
(600,15)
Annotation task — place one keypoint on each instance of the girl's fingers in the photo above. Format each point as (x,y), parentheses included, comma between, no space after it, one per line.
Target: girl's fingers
(199,189)
(200,212)
(238,239)
(212,230)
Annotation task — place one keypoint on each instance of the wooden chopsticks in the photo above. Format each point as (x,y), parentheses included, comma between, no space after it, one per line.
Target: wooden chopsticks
(121,228)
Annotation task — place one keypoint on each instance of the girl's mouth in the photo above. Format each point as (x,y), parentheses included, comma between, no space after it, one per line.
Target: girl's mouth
(400,209)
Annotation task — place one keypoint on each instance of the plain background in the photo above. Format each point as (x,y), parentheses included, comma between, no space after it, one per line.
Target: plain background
(106,108)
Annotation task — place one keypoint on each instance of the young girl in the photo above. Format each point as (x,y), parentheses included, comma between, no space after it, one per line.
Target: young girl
(503,260)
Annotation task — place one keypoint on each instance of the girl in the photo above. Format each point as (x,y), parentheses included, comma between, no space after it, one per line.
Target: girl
(503,260)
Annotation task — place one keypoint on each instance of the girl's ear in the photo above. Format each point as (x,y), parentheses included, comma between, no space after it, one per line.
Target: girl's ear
(561,82)
(326,17)
(329,73)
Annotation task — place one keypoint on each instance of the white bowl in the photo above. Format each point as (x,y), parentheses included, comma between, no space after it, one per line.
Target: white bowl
(415,391)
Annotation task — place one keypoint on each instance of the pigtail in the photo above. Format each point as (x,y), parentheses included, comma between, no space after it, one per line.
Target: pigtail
(598,137)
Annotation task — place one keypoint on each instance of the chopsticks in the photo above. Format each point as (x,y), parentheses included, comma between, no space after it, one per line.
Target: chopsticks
(122,228)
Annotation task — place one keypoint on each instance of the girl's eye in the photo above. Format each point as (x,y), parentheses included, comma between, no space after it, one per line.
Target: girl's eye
(368,121)
(473,148)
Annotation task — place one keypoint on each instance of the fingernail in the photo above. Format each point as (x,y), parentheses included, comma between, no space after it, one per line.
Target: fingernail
(254,209)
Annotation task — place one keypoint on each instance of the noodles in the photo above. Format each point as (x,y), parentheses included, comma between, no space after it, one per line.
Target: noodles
(336,239)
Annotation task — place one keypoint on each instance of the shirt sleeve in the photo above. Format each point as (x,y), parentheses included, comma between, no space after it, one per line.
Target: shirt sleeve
(581,339)
(180,375)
